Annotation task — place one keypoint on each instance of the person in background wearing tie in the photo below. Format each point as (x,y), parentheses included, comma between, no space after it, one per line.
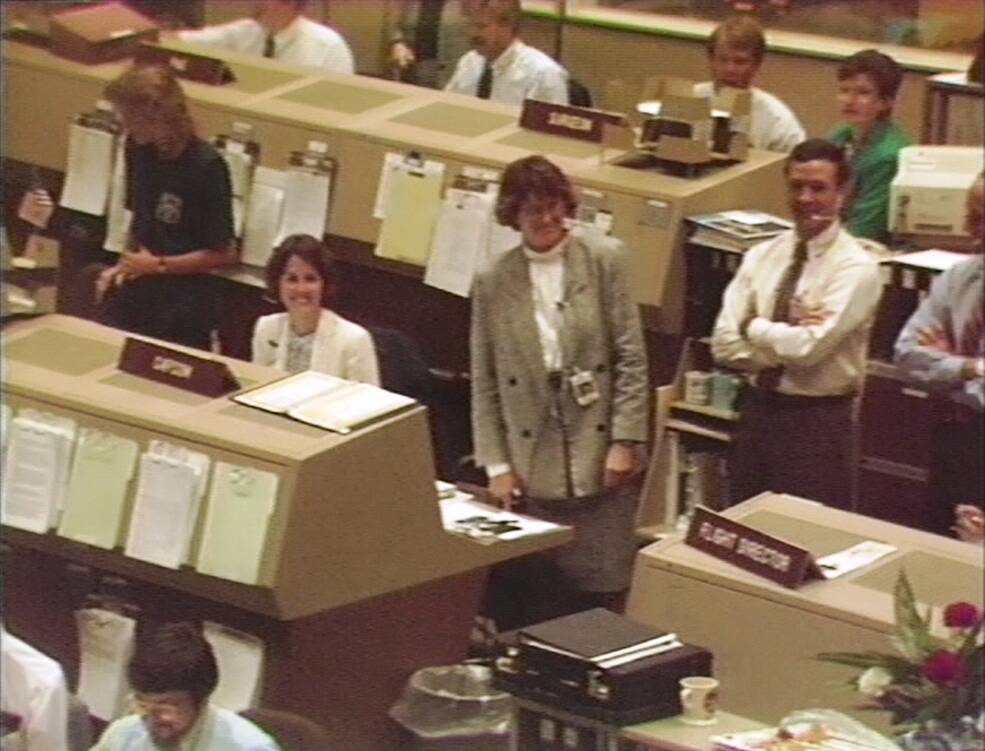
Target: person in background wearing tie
(172,673)
(279,30)
(309,335)
(179,192)
(500,67)
(942,348)
(868,82)
(559,394)
(797,316)
(735,53)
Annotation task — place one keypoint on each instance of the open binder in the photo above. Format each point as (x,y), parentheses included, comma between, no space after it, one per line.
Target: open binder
(325,401)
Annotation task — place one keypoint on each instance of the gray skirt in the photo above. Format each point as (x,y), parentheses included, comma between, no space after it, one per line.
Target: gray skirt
(600,558)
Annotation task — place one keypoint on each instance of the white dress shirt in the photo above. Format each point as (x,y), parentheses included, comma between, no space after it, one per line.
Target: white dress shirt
(521,72)
(773,125)
(302,42)
(547,287)
(32,686)
(340,347)
(826,359)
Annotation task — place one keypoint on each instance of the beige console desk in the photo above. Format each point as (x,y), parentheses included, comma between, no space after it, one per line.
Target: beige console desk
(361,119)
(764,636)
(358,582)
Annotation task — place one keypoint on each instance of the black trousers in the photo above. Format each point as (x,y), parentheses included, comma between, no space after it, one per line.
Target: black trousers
(957,465)
(800,445)
(180,309)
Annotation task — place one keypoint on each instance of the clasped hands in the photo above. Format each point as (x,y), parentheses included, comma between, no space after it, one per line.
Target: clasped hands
(132,264)
(622,463)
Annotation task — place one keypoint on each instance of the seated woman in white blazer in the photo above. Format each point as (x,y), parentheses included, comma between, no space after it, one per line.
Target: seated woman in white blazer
(310,336)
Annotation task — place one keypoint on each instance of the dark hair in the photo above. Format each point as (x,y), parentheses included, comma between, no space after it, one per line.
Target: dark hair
(742,32)
(151,90)
(504,12)
(532,177)
(818,148)
(885,72)
(308,249)
(173,657)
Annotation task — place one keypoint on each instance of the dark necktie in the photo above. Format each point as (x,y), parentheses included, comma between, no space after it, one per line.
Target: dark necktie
(770,378)
(268,46)
(484,89)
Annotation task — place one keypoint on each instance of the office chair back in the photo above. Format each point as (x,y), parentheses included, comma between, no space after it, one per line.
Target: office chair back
(402,366)
(293,732)
(578,94)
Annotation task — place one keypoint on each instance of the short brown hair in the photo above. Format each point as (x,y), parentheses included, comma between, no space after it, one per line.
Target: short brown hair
(173,657)
(153,91)
(505,12)
(820,149)
(311,251)
(532,177)
(743,32)
(885,72)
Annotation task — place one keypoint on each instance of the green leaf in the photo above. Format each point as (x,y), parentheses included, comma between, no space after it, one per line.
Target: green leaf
(913,638)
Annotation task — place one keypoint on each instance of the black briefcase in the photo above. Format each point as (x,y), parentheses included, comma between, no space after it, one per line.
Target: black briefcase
(637,690)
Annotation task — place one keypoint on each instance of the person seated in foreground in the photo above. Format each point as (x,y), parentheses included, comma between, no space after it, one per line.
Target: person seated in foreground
(172,673)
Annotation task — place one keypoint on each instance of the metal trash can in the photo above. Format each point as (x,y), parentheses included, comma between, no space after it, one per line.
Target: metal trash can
(455,708)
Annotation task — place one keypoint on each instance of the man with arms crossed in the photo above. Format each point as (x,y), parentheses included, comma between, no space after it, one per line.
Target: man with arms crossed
(797,317)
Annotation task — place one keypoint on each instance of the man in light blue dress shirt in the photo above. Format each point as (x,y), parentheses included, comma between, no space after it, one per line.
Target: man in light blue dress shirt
(942,348)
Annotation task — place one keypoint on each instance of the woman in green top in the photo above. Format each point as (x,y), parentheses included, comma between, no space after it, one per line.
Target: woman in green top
(867,85)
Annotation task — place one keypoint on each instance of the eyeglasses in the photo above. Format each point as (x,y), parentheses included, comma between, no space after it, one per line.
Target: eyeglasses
(159,707)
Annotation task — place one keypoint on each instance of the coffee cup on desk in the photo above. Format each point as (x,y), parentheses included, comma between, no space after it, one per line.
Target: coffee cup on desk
(699,700)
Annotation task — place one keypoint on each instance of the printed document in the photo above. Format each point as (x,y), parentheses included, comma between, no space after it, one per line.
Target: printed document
(105,645)
(460,242)
(263,212)
(238,512)
(306,197)
(89,170)
(97,489)
(240,658)
(170,486)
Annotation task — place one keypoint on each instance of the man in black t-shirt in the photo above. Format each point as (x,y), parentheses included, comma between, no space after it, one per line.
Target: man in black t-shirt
(179,192)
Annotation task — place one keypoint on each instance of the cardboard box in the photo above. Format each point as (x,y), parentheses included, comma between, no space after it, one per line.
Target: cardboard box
(100,33)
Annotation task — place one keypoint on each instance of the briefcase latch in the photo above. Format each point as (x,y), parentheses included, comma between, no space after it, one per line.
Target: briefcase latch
(510,663)
(597,688)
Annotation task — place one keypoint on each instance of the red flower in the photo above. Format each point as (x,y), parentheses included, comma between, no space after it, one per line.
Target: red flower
(961,615)
(943,668)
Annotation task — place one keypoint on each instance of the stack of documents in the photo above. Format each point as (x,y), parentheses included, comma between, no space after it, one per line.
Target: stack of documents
(170,487)
(325,401)
(89,171)
(95,504)
(800,736)
(598,636)
(736,230)
(264,208)
(36,469)
(240,658)
(462,515)
(240,505)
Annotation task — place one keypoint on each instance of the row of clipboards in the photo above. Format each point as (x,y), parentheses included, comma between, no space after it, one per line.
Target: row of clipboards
(100,489)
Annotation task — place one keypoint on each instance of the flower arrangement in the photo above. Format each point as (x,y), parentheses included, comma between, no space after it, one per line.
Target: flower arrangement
(928,682)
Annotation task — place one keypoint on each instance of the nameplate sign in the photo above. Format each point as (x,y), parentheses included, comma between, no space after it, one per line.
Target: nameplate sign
(187,65)
(751,550)
(582,123)
(176,368)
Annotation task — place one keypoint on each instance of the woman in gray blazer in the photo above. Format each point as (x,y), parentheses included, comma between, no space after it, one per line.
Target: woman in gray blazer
(559,383)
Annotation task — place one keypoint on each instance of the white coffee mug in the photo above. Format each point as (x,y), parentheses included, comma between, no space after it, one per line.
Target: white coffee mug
(699,700)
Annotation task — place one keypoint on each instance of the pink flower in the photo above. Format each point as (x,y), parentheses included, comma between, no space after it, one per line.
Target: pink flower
(944,668)
(961,615)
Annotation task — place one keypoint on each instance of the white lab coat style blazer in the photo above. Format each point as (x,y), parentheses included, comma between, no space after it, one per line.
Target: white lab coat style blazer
(341,348)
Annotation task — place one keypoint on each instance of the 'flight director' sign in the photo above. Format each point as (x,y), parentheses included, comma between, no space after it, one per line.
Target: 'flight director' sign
(750,549)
